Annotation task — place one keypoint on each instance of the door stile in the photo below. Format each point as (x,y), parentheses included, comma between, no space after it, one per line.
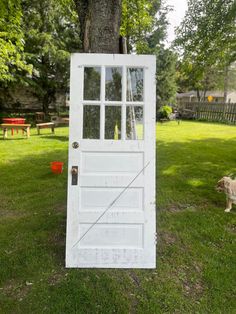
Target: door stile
(75,133)
(149,156)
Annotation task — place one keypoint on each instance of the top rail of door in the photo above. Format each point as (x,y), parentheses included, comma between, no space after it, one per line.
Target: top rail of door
(94,59)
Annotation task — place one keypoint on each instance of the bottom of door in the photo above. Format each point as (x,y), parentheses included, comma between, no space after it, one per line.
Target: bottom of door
(111,258)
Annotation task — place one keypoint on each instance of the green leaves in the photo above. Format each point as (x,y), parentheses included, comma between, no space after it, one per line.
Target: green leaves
(12,58)
(208,33)
(141,21)
(206,40)
(144,24)
(51,34)
(166,77)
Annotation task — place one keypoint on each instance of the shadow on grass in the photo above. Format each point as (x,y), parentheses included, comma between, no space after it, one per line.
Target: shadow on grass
(188,171)
(55,137)
(12,138)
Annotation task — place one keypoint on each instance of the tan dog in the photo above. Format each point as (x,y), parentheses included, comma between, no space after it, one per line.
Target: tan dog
(228,186)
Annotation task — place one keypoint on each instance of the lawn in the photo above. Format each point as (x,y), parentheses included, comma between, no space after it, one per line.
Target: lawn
(196,251)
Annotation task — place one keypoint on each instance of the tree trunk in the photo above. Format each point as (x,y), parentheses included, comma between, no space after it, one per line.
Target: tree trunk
(226,83)
(198,95)
(99,24)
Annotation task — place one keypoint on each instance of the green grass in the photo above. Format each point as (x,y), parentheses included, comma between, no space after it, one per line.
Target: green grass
(196,251)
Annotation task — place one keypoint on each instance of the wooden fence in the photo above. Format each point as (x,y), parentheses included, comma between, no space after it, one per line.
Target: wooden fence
(220,112)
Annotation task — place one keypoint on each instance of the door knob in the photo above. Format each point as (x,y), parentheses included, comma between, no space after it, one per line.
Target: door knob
(75,145)
(74,172)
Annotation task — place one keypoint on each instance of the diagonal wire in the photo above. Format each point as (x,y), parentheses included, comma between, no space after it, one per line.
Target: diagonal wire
(110,205)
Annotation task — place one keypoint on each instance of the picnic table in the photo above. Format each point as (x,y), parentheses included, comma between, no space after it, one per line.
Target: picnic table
(13,121)
(24,127)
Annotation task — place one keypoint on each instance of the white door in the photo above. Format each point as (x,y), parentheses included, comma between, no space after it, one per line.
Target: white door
(111,181)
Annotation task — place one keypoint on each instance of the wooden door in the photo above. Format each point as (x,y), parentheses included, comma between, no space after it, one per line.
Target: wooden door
(111,201)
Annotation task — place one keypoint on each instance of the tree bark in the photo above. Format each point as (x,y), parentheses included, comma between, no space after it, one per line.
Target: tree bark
(99,24)
(198,95)
(226,83)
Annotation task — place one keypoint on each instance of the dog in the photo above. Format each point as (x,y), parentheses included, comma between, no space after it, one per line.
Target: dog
(228,186)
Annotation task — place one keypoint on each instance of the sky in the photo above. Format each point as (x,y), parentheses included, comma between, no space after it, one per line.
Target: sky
(175,17)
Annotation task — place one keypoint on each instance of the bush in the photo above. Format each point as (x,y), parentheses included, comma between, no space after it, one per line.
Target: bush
(165,112)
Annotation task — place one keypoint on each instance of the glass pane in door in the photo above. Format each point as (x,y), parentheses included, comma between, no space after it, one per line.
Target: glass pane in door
(134,84)
(113,122)
(134,123)
(113,84)
(91,122)
(92,83)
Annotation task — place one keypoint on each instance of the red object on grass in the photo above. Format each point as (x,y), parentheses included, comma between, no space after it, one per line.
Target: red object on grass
(13,121)
(57,166)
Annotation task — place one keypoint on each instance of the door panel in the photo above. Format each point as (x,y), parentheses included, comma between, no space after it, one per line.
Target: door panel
(111,162)
(111,211)
(99,198)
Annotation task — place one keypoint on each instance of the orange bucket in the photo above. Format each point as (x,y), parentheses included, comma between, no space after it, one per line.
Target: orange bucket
(57,166)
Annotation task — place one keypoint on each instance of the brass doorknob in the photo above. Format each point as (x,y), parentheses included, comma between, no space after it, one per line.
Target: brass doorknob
(74,171)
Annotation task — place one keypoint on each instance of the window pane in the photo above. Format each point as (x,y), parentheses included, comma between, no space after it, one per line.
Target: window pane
(113,84)
(91,122)
(92,79)
(134,123)
(134,84)
(113,122)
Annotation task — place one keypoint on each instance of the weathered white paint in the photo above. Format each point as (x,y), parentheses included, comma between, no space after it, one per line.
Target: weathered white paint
(125,236)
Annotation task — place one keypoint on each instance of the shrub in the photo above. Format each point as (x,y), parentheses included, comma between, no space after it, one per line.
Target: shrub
(165,112)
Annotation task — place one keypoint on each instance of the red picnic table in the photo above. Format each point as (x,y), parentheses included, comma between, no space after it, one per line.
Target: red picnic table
(13,121)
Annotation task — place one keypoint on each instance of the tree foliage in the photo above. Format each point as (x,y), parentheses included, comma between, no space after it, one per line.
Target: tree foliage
(208,32)
(12,59)
(51,34)
(42,34)
(144,24)
(166,87)
(206,42)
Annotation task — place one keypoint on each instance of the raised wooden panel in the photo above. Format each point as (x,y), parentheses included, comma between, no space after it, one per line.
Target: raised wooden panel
(117,162)
(111,235)
(100,198)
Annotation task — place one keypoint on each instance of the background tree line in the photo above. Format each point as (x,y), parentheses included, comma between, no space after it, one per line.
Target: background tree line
(37,37)
(206,45)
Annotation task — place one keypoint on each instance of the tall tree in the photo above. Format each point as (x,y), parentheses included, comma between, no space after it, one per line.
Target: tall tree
(166,87)
(99,24)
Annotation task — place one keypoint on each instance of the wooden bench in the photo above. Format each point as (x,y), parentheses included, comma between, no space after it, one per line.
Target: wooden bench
(60,120)
(46,125)
(24,127)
